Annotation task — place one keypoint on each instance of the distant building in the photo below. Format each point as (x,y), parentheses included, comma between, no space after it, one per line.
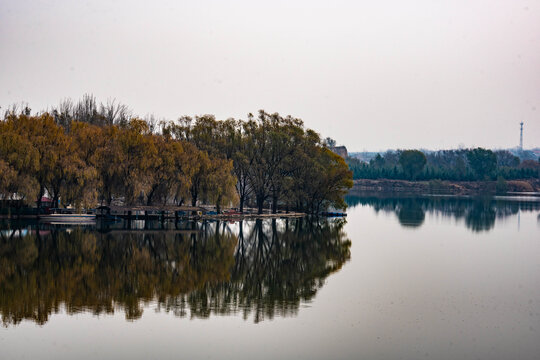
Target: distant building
(340,150)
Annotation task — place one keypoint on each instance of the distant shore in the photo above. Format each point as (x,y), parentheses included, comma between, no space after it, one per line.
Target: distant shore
(446,187)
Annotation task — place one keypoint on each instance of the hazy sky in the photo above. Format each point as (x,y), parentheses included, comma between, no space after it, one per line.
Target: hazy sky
(371,74)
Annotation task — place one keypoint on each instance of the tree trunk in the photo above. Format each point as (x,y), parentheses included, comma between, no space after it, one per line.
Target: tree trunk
(260,203)
(40,195)
(55,199)
(193,203)
(218,204)
(241,204)
(149,197)
(109,198)
(274,203)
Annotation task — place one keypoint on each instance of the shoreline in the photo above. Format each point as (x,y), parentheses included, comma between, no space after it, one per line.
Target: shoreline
(231,217)
(438,187)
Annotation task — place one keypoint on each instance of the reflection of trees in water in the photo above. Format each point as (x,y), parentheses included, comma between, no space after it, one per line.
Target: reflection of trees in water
(268,268)
(410,213)
(482,214)
(88,271)
(277,267)
(479,214)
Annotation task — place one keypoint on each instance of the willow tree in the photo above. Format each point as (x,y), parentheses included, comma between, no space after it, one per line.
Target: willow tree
(19,162)
(171,172)
(48,142)
(322,181)
(107,156)
(212,180)
(258,173)
(138,153)
(82,187)
(219,185)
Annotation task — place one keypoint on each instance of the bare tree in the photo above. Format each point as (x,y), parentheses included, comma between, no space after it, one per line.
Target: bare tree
(86,110)
(114,113)
(17,109)
(63,115)
(154,124)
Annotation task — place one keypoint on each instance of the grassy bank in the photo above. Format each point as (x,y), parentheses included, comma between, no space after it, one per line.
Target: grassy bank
(447,187)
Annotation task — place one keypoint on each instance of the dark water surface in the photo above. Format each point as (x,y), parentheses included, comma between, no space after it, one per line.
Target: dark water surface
(401,278)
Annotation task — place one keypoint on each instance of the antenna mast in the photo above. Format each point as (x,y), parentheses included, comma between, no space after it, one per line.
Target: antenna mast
(521,136)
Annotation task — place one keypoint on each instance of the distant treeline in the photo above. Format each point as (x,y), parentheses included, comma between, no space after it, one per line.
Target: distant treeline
(84,154)
(454,165)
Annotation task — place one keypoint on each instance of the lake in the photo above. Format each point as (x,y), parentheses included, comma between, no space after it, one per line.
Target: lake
(399,278)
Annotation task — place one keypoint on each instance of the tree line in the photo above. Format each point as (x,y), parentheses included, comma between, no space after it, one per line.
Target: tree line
(455,165)
(84,154)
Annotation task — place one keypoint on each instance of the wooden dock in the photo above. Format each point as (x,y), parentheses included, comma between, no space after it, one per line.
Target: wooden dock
(143,212)
(250,216)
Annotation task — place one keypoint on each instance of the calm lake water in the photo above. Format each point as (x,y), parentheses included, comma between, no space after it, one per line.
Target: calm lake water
(400,278)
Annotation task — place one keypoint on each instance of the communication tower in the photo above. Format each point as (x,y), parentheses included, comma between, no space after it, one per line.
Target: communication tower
(521,136)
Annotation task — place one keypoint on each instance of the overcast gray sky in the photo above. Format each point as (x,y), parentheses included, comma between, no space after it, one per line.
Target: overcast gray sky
(371,74)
